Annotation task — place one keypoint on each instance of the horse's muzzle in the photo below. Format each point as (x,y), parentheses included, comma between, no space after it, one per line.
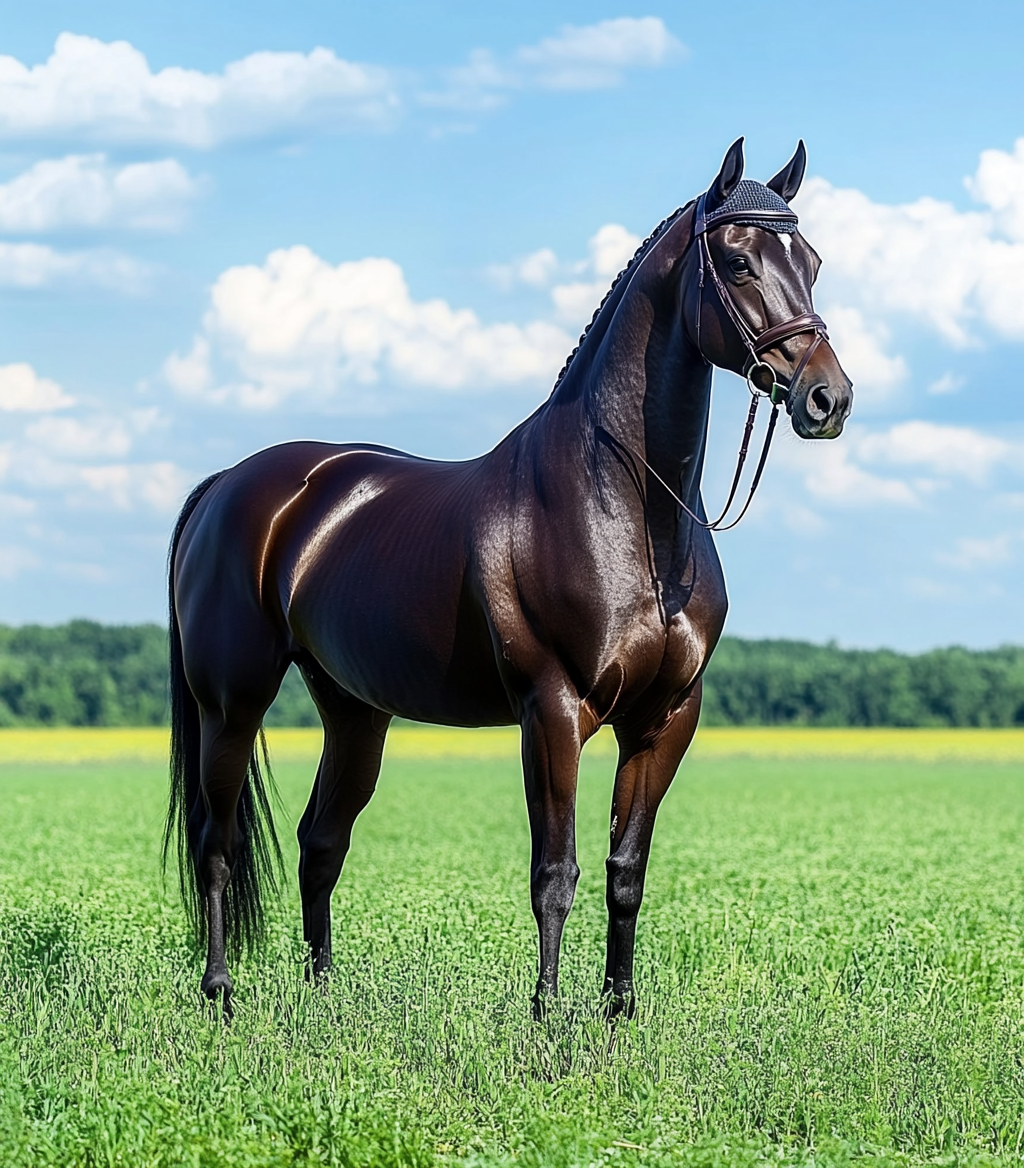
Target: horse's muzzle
(822,411)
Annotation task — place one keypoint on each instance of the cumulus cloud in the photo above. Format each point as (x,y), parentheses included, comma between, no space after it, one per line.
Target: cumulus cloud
(951,271)
(160,486)
(14,560)
(96,90)
(85,190)
(610,248)
(973,553)
(999,182)
(902,465)
(104,437)
(36,265)
(832,474)
(300,326)
(950,451)
(535,270)
(123,486)
(23,390)
(946,384)
(595,56)
(83,459)
(861,343)
(576,287)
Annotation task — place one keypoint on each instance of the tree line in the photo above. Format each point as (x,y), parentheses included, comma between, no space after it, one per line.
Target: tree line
(88,674)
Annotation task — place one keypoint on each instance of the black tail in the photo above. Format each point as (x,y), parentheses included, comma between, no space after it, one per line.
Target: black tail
(258,861)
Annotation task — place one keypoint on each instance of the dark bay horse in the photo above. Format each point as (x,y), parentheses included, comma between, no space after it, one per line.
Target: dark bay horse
(556,583)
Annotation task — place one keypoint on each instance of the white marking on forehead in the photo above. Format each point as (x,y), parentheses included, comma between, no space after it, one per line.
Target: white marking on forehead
(786,240)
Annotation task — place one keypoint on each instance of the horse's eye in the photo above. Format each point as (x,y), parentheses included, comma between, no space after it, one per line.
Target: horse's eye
(739,265)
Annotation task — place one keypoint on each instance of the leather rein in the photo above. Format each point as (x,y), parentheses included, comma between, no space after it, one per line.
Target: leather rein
(761,378)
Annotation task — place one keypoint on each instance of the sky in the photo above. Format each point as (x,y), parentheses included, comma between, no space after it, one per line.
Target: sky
(224,226)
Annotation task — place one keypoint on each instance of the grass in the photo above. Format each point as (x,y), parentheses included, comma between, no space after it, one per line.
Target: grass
(831,966)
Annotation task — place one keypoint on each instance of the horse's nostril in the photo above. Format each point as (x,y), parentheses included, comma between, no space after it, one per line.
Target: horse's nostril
(820,403)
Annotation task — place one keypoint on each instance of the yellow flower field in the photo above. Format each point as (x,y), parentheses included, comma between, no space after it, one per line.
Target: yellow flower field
(149,744)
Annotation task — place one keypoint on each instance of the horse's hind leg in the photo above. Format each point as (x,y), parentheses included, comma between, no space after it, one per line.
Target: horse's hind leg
(645,772)
(233,696)
(226,749)
(346,778)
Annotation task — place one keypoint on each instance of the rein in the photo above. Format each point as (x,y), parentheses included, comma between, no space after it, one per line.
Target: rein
(760,375)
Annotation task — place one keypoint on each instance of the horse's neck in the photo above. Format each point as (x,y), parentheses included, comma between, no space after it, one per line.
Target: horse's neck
(646,384)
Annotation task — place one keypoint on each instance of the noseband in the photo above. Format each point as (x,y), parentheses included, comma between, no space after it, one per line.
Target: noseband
(761,377)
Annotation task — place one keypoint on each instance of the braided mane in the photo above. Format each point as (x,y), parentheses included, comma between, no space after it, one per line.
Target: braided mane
(638,255)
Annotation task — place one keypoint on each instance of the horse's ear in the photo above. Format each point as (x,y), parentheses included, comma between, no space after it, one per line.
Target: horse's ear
(728,177)
(787,182)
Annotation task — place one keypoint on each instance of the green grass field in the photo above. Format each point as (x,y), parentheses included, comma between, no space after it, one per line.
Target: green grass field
(831,966)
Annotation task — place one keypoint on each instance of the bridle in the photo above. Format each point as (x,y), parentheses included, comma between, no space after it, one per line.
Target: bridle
(761,377)
(755,343)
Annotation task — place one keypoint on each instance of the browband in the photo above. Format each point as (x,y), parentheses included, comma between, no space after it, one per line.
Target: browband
(702,222)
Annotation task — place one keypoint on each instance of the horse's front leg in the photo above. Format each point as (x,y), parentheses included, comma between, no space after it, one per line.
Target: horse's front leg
(551,755)
(647,765)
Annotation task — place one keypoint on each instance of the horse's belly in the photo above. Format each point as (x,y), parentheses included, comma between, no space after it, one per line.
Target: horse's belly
(409,641)
(393,669)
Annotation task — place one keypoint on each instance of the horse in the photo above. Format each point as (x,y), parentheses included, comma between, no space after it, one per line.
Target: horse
(564,580)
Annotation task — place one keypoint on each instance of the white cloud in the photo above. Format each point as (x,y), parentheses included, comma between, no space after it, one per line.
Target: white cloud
(190,374)
(104,437)
(946,384)
(860,343)
(949,270)
(831,474)
(999,182)
(948,451)
(85,461)
(595,56)
(972,553)
(15,506)
(85,190)
(298,325)
(903,465)
(611,248)
(535,269)
(14,560)
(160,485)
(23,390)
(95,90)
(35,265)
(123,486)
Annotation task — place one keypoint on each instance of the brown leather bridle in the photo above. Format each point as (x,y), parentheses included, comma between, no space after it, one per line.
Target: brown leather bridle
(760,375)
(755,343)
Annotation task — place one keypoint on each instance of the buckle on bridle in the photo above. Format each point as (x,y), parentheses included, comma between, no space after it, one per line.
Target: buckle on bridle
(761,379)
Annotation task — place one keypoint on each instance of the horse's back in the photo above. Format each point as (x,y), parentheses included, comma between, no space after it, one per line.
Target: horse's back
(361,557)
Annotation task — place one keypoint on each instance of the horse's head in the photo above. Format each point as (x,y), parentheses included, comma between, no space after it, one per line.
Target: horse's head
(747,300)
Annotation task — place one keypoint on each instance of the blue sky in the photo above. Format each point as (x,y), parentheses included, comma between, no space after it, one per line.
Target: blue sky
(223,226)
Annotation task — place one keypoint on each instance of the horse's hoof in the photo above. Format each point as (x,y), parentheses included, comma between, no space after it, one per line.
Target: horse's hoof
(619,1006)
(215,983)
(541,1001)
(318,970)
